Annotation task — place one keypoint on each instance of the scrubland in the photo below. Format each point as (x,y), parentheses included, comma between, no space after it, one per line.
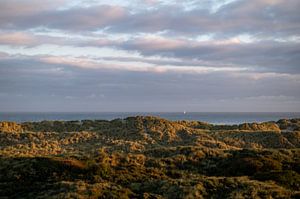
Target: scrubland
(149,157)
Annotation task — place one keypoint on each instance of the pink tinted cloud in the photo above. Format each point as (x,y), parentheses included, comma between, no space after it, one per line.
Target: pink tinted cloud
(85,19)
(157,43)
(30,40)
(87,63)
(16,38)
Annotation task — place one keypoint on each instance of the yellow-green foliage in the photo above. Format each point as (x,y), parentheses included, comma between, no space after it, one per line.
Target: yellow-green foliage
(149,157)
(10,127)
(265,126)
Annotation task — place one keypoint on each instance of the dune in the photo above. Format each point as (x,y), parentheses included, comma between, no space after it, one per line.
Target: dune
(149,157)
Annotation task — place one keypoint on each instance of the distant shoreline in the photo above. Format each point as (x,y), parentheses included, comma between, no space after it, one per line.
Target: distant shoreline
(210,117)
(87,125)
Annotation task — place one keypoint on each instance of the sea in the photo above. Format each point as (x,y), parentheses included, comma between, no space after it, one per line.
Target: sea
(210,117)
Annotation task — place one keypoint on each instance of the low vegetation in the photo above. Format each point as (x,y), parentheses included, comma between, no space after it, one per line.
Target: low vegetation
(149,157)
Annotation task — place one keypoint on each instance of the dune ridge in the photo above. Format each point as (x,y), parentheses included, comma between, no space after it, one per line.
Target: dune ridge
(149,157)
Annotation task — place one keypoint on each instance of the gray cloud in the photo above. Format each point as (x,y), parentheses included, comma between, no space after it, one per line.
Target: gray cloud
(167,67)
(33,85)
(14,12)
(74,19)
(264,56)
(260,17)
(14,38)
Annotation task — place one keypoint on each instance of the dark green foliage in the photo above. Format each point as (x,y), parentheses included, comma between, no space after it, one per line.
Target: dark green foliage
(130,180)
(292,124)
(225,127)
(289,179)
(248,162)
(120,193)
(42,169)
(249,166)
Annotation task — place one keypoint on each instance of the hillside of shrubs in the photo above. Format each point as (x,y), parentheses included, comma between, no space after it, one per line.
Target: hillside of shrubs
(149,157)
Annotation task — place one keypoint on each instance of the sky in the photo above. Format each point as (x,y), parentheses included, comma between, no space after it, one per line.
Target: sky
(149,55)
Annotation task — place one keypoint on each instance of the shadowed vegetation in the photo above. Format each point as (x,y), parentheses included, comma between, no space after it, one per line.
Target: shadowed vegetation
(148,157)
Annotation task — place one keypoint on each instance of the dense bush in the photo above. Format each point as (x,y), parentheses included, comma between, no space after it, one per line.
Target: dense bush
(287,178)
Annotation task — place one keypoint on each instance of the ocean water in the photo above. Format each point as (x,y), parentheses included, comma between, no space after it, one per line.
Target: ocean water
(211,117)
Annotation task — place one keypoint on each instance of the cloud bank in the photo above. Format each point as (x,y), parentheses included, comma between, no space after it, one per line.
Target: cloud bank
(141,55)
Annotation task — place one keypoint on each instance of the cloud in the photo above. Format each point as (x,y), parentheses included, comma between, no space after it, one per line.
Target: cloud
(28,7)
(16,38)
(262,55)
(3,55)
(265,56)
(58,63)
(44,85)
(261,18)
(149,55)
(40,36)
(73,19)
(156,43)
(95,64)
(92,18)
(14,12)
